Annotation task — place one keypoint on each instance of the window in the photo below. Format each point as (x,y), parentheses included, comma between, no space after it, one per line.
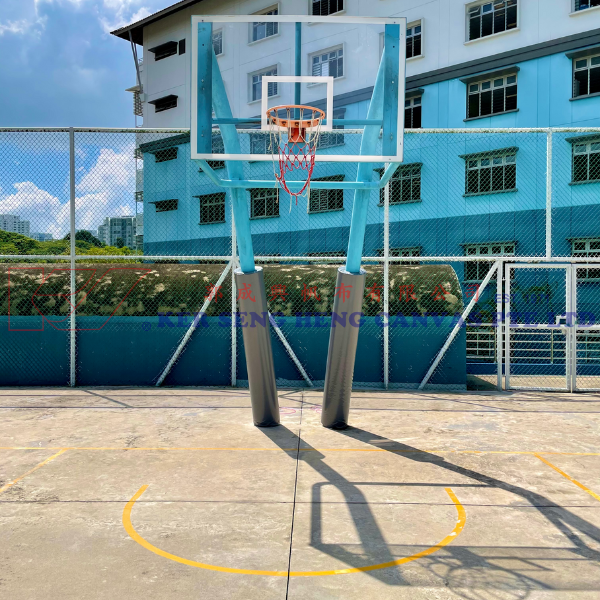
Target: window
(586,76)
(164,50)
(256,80)
(412,113)
(166,154)
(583,4)
(491,17)
(476,271)
(260,31)
(218,147)
(165,205)
(413,40)
(217,40)
(405,184)
(324,8)
(326,200)
(260,143)
(491,173)
(181,47)
(492,96)
(212,208)
(264,202)
(587,248)
(165,103)
(399,252)
(586,161)
(330,139)
(329,63)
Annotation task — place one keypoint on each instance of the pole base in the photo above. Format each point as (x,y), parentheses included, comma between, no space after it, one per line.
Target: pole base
(343,340)
(254,320)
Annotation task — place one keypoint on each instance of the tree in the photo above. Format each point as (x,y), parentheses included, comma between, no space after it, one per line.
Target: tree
(119,243)
(85,236)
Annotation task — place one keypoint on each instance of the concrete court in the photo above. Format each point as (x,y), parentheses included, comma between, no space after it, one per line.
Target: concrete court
(478,496)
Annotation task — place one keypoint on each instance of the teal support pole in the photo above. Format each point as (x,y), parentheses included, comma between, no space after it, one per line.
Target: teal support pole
(298,69)
(368,146)
(235,170)
(391,90)
(205,64)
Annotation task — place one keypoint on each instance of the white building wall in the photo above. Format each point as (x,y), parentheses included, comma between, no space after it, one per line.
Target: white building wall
(444,44)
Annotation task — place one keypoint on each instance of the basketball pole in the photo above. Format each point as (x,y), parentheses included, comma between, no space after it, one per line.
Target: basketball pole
(343,341)
(249,278)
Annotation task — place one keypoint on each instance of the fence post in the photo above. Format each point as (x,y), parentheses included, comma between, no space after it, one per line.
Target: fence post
(549,194)
(386,286)
(499,322)
(233,302)
(73,282)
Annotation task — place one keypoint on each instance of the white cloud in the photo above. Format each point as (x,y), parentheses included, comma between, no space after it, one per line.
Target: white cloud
(104,191)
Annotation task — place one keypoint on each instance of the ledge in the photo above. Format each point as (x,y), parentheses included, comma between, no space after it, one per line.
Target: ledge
(506,112)
(490,74)
(213,223)
(330,210)
(584,11)
(269,217)
(586,96)
(402,202)
(470,195)
(414,93)
(494,35)
(583,138)
(490,153)
(584,183)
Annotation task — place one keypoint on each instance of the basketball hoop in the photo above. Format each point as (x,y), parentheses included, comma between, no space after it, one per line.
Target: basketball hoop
(295,130)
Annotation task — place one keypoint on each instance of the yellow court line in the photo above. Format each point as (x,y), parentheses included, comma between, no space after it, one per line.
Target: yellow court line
(460,523)
(44,462)
(577,483)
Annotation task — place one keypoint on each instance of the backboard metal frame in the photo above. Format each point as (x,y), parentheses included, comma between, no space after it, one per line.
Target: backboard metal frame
(397,65)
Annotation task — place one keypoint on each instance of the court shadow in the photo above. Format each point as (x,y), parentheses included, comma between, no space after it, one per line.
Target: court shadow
(471,573)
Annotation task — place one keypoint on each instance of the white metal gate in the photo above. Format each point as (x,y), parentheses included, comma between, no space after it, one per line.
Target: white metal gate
(539,327)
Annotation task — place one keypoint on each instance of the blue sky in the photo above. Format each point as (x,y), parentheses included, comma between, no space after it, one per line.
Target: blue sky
(59,65)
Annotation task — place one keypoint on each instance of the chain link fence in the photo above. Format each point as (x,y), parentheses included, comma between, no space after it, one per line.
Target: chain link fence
(117,255)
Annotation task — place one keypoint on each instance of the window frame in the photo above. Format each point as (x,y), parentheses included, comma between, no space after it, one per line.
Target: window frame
(267,192)
(589,152)
(588,67)
(311,4)
(397,178)
(337,193)
(171,101)
(587,252)
(319,54)
(577,3)
(409,27)
(271,71)
(222,199)
(412,105)
(169,205)
(492,88)
(490,157)
(170,48)
(272,10)
(480,4)
(215,33)
(487,265)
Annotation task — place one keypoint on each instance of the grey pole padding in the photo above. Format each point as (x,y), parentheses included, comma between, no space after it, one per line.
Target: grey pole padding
(257,347)
(343,339)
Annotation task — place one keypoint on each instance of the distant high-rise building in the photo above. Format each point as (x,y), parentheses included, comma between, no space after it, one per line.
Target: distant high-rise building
(139,231)
(115,228)
(42,237)
(14,224)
